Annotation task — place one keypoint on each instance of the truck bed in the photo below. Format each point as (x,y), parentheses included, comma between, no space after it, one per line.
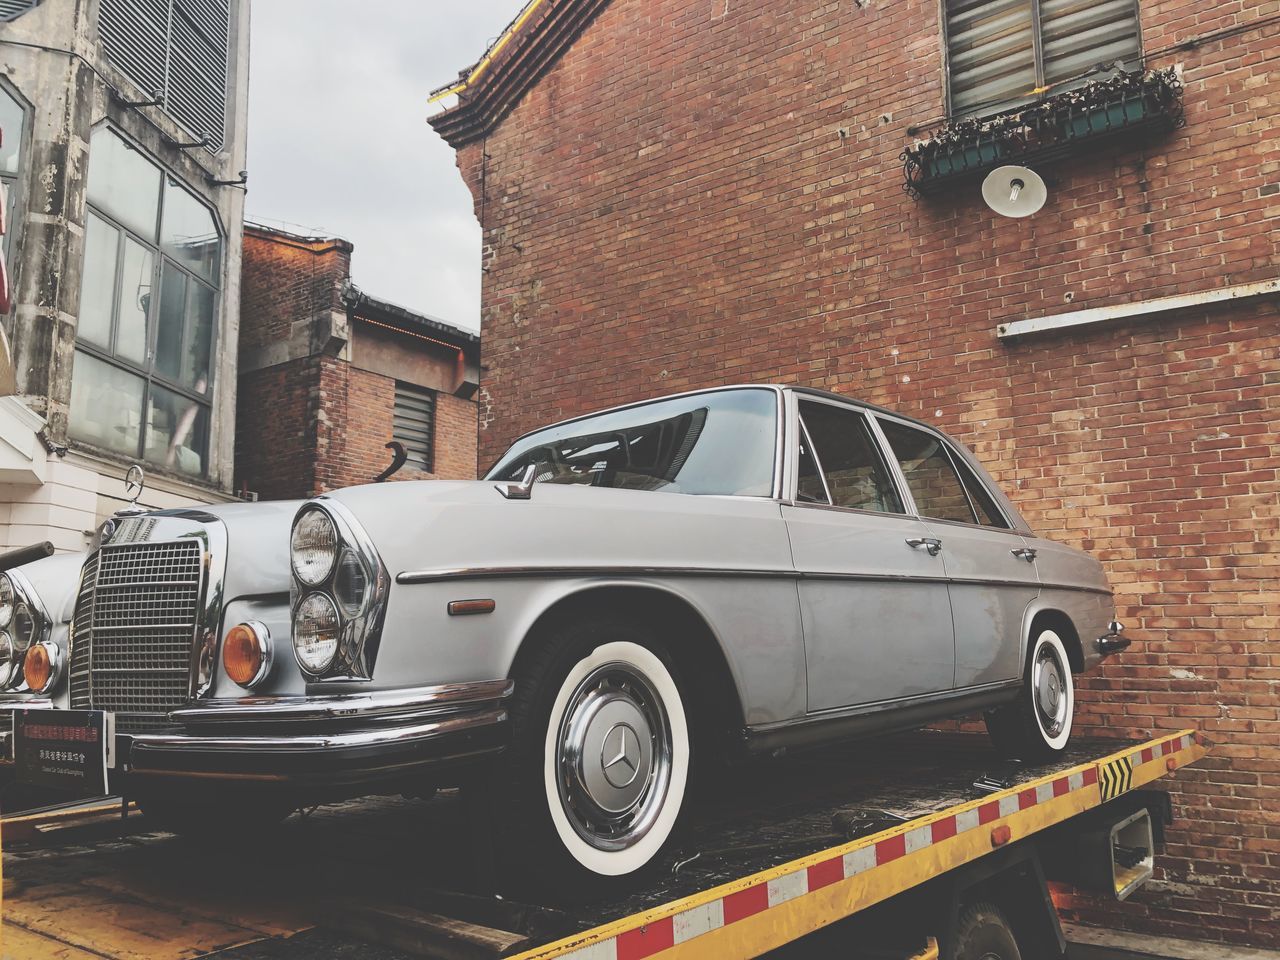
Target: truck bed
(772,851)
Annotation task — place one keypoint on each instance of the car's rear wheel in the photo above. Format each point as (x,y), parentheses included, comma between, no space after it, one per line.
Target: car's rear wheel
(984,934)
(600,757)
(1037,726)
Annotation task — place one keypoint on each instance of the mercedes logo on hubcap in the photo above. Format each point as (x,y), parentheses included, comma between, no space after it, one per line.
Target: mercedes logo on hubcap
(620,755)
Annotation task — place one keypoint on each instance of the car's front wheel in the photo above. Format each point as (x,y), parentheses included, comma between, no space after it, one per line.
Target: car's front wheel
(601,755)
(1037,726)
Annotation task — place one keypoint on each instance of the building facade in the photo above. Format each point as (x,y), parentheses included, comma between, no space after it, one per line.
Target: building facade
(123,144)
(678,195)
(329,376)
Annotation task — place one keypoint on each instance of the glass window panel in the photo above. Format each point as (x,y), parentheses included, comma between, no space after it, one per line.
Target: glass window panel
(177,432)
(707,443)
(98,284)
(930,475)
(856,476)
(106,405)
(135,299)
(980,496)
(123,183)
(11,122)
(189,234)
(170,322)
(809,485)
(196,370)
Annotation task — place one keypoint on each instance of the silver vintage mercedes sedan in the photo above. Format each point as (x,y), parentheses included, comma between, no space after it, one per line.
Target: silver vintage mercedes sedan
(626,599)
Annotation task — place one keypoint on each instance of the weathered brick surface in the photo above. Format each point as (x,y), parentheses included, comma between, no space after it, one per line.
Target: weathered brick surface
(674,205)
(317,422)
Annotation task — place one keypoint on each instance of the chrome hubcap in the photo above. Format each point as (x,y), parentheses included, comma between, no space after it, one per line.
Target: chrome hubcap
(614,763)
(1048,681)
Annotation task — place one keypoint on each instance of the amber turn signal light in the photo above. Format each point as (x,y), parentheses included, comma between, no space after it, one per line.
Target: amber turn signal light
(246,653)
(40,667)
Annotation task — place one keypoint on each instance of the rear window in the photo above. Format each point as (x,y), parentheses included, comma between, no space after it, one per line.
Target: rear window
(710,443)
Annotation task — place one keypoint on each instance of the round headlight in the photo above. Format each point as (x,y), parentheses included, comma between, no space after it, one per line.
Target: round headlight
(313,547)
(24,627)
(350,584)
(316,631)
(6,599)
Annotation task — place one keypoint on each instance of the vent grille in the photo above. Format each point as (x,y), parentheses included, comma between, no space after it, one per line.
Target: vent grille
(414,424)
(177,48)
(13,9)
(134,629)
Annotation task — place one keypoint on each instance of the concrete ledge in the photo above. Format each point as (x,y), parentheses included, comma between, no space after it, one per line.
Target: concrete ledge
(1095,943)
(1124,311)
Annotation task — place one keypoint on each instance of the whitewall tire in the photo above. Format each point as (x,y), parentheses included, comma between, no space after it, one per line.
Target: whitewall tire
(616,759)
(1037,726)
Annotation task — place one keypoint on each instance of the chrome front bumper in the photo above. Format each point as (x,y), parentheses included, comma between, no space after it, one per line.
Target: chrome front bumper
(331,739)
(7,707)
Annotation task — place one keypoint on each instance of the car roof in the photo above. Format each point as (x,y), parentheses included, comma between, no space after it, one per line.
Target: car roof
(776,387)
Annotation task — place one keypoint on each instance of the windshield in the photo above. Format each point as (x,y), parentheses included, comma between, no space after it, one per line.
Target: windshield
(709,443)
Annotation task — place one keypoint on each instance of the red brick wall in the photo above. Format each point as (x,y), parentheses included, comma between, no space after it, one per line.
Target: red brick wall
(315,423)
(674,206)
(287,282)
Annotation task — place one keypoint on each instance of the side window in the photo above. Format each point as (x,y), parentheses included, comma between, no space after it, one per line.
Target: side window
(980,497)
(930,476)
(855,474)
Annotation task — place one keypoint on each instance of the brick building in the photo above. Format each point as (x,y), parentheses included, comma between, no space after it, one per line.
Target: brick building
(330,375)
(710,193)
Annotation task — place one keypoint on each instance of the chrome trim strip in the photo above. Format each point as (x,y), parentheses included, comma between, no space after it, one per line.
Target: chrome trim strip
(521,572)
(382,704)
(32,703)
(476,573)
(374,737)
(835,713)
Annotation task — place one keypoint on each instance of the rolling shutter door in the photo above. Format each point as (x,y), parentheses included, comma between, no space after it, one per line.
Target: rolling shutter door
(414,424)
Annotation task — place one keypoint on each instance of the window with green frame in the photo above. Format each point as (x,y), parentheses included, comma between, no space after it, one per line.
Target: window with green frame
(142,385)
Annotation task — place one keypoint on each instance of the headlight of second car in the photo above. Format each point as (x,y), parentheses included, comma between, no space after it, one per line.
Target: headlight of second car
(339,593)
(6,600)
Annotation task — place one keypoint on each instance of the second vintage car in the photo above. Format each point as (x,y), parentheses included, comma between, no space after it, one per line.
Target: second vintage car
(624,598)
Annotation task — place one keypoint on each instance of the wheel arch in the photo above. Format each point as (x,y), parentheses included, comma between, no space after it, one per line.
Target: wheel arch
(697,652)
(1051,618)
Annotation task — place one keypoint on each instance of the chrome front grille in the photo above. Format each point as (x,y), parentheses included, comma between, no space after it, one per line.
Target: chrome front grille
(134,630)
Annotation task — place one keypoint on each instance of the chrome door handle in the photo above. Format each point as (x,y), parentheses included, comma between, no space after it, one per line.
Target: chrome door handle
(1025,553)
(932,544)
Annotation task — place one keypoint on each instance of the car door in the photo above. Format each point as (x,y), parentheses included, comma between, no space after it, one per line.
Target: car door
(989,565)
(876,616)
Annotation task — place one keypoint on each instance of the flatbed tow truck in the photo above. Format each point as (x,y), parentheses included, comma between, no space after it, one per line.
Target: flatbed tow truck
(921,845)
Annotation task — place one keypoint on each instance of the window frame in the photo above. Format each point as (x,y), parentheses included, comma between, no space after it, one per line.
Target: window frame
(1037,43)
(878,446)
(953,456)
(16,184)
(148,373)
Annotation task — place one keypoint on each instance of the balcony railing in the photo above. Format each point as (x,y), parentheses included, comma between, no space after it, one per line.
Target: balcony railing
(1138,105)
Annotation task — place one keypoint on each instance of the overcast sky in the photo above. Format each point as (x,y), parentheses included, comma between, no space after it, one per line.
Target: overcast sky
(339,143)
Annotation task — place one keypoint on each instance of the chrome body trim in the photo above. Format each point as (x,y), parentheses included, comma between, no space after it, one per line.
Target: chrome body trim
(518,572)
(381,705)
(296,743)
